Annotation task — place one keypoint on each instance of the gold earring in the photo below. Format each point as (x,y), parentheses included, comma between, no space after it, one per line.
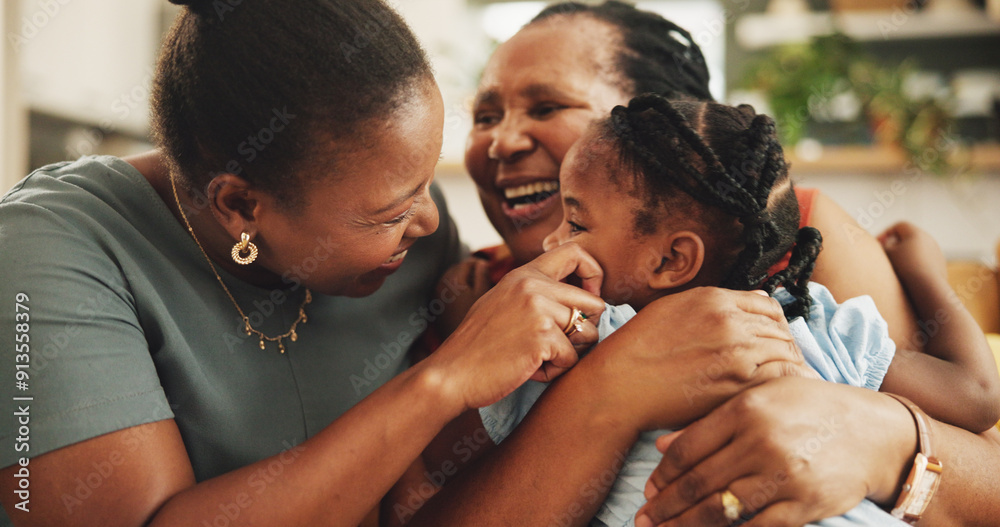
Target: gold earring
(244,246)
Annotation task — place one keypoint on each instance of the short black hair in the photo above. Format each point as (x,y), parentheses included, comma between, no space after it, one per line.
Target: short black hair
(657,56)
(274,90)
(728,159)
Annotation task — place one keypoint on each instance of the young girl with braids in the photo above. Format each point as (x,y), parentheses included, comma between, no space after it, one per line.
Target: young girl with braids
(669,196)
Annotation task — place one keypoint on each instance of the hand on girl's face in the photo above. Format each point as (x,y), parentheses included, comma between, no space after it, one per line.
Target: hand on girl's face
(515,331)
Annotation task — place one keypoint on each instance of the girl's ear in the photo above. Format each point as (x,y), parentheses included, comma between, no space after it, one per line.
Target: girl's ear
(683,253)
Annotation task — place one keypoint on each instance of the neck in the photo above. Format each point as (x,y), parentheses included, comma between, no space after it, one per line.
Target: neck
(216,242)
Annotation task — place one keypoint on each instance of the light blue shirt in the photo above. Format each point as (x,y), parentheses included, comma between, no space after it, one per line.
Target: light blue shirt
(847,344)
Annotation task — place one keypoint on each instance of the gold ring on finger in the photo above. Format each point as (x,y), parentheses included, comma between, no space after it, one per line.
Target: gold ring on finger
(732,507)
(575,323)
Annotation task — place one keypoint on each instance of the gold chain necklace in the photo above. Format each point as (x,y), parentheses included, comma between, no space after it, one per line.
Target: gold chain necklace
(247,328)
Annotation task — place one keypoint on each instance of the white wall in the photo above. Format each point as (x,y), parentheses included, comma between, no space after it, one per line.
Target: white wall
(91,60)
(13,118)
(962,214)
(458,50)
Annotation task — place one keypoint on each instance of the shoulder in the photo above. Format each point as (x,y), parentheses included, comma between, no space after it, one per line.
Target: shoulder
(92,195)
(837,226)
(66,214)
(96,176)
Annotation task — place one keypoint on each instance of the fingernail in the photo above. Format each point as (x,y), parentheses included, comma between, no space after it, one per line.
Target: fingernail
(649,491)
(643,521)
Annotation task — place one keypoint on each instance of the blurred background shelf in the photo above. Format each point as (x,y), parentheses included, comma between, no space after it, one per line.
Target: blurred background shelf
(755,31)
(867,159)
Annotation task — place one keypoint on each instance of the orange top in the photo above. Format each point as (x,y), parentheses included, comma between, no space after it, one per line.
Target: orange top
(500,261)
(806,197)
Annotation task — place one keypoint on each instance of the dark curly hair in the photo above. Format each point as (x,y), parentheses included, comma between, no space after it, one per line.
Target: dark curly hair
(274,90)
(729,160)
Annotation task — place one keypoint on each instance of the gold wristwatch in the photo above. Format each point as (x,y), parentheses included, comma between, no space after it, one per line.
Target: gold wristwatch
(925,475)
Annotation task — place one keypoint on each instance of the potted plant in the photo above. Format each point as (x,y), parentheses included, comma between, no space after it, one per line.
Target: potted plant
(801,80)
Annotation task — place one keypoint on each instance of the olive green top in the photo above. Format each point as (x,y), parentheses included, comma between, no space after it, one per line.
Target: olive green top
(127,325)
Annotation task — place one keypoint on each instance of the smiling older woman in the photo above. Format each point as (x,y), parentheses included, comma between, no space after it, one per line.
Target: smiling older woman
(530,109)
(197,348)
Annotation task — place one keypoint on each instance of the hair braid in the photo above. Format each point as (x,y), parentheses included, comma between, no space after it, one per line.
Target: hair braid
(795,277)
(650,116)
(656,55)
(756,146)
(731,163)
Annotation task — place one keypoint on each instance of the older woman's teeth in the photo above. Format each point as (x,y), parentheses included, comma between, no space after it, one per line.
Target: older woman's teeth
(531,188)
(397,257)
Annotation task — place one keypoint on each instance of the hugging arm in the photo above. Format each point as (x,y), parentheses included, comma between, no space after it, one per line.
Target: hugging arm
(956,379)
(558,464)
(798,450)
(948,373)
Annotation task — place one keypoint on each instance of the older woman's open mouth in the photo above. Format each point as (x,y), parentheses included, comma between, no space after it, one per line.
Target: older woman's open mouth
(529,201)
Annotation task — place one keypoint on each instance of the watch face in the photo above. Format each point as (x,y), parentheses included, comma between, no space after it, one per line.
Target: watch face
(927,475)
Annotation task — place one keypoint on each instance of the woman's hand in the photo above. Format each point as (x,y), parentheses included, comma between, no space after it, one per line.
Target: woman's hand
(515,331)
(686,353)
(792,450)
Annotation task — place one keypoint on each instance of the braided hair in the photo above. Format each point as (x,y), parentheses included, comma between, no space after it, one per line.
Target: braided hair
(657,56)
(729,159)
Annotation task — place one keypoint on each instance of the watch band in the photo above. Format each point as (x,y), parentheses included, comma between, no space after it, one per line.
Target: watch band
(925,473)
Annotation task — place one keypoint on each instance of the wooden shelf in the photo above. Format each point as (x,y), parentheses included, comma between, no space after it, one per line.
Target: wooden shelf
(755,31)
(866,159)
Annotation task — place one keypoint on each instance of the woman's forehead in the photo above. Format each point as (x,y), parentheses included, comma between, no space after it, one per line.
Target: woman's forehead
(569,48)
